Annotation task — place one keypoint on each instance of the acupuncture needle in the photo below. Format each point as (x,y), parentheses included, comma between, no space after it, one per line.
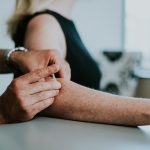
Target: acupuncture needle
(53,76)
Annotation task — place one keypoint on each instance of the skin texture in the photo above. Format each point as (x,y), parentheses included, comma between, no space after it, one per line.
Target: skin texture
(28,95)
(76,102)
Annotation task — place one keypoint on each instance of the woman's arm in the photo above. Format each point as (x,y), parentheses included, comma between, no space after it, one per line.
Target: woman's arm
(76,102)
(44,32)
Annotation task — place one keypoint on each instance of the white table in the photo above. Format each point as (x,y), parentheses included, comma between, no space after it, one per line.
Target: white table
(55,134)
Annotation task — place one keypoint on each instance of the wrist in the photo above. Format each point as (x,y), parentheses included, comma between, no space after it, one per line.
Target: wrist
(14,59)
(11,58)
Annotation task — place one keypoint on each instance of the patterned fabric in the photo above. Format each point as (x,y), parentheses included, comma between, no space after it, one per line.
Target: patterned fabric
(118,72)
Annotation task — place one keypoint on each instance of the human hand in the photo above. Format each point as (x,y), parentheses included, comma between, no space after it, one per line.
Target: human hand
(28,95)
(32,60)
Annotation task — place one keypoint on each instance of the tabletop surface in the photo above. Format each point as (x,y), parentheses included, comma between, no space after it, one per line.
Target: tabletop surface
(56,134)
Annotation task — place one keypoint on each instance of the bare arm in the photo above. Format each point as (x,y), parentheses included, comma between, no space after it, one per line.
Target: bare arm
(44,32)
(76,102)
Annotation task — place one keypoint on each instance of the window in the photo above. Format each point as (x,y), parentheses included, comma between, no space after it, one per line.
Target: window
(137,28)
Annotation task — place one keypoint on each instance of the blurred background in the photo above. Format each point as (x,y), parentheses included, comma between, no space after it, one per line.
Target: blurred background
(117,33)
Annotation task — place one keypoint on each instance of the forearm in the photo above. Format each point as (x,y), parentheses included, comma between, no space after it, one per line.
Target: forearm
(3,66)
(76,102)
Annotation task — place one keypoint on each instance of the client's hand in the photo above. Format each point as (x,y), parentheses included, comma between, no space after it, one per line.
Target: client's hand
(33,60)
(28,95)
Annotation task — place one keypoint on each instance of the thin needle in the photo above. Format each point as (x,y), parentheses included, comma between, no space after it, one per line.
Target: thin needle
(53,76)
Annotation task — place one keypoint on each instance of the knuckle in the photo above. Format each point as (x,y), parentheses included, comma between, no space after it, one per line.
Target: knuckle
(42,73)
(16,84)
(54,68)
(39,73)
(17,90)
(17,93)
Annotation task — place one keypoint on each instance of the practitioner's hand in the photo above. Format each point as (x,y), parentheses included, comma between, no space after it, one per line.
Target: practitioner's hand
(28,95)
(33,60)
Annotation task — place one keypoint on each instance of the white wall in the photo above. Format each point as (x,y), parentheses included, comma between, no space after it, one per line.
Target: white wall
(6,7)
(99,21)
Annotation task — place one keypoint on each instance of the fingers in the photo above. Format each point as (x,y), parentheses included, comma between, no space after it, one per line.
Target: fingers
(38,97)
(39,74)
(38,107)
(65,71)
(44,86)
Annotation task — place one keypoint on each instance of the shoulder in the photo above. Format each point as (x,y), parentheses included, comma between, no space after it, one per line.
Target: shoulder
(44,21)
(44,32)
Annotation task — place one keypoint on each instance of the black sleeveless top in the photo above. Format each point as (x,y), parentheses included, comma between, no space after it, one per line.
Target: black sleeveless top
(84,70)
